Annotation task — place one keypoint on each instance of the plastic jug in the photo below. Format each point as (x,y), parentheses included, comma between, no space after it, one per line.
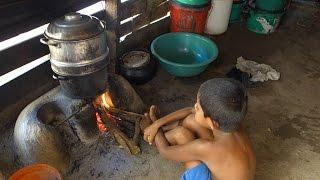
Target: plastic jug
(186,18)
(218,19)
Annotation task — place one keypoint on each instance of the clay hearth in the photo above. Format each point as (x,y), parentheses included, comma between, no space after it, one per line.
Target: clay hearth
(49,127)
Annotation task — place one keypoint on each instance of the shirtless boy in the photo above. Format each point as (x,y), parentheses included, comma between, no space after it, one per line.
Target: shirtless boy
(208,139)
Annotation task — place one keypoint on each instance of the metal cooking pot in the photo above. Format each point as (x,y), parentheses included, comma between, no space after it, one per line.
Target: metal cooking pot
(79,53)
(137,66)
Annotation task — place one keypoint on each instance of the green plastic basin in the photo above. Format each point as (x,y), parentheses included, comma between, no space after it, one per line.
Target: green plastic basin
(184,54)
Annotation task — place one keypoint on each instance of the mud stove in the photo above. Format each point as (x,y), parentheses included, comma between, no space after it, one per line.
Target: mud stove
(88,100)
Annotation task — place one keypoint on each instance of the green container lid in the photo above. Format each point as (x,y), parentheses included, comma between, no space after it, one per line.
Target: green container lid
(193,2)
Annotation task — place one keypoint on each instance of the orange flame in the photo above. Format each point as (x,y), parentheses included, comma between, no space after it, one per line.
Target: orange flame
(105,101)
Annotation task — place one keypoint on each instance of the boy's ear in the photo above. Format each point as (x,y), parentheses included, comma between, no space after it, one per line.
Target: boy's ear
(212,123)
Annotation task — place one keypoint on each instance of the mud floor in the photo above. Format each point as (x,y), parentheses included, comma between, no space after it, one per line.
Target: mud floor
(283,118)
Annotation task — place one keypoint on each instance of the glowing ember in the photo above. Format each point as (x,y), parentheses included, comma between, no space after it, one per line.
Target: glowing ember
(101,126)
(104,101)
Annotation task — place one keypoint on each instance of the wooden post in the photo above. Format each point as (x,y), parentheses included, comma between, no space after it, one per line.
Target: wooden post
(112,23)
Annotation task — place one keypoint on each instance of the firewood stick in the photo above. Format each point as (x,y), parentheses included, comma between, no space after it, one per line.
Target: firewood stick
(137,129)
(127,143)
(126,124)
(124,113)
(137,132)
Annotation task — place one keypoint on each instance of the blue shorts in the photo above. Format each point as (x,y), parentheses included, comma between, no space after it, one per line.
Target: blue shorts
(200,172)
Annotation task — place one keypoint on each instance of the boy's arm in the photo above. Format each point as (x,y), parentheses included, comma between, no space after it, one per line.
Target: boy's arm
(193,151)
(151,131)
(181,153)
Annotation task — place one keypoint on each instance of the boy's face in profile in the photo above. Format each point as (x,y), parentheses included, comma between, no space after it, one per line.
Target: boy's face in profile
(199,114)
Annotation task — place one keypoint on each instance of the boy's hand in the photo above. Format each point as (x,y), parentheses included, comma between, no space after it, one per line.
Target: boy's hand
(151,131)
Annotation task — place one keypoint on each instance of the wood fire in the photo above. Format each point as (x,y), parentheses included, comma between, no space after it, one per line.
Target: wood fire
(103,101)
(113,120)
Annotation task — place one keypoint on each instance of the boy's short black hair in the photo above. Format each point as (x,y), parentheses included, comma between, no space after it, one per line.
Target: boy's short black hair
(224,100)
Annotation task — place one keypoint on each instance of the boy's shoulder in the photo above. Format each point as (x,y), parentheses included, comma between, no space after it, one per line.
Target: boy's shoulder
(226,145)
(211,146)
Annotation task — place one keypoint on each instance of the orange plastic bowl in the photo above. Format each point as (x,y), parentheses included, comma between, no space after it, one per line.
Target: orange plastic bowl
(37,172)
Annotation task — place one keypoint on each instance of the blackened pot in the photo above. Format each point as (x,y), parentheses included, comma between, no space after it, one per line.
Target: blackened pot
(77,44)
(78,54)
(138,66)
(86,86)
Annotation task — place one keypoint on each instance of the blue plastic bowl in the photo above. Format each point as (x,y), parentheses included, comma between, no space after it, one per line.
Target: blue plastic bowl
(184,54)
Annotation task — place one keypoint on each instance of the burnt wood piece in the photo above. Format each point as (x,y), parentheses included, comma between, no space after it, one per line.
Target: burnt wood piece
(129,144)
(126,118)
(137,131)
(132,117)
(127,126)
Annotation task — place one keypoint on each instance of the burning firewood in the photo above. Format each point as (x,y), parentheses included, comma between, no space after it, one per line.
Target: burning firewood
(119,136)
(113,117)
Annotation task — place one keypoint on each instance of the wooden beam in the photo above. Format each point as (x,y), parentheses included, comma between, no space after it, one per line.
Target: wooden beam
(134,24)
(26,52)
(18,93)
(143,37)
(21,54)
(156,9)
(131,8)
(23,15)
(112,27)
(160,10)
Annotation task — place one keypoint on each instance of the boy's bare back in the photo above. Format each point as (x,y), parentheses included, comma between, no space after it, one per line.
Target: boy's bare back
(236,149)
(230,157)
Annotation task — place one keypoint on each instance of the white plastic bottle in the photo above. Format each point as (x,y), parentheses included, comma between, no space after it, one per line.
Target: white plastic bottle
(218,18)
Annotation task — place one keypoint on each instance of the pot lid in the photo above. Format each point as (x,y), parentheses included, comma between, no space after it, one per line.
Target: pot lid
(74,26)
(136,59)
(193,3)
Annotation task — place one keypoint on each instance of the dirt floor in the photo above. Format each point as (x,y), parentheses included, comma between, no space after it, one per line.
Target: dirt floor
(283,118)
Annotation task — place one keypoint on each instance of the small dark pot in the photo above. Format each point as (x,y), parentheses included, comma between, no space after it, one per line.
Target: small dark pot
(87,86)
(138,74)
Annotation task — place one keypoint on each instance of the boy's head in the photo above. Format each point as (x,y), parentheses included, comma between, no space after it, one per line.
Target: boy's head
(221,103)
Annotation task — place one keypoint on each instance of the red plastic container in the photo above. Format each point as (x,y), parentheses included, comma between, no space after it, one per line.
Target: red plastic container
(37,172)
(186,18)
